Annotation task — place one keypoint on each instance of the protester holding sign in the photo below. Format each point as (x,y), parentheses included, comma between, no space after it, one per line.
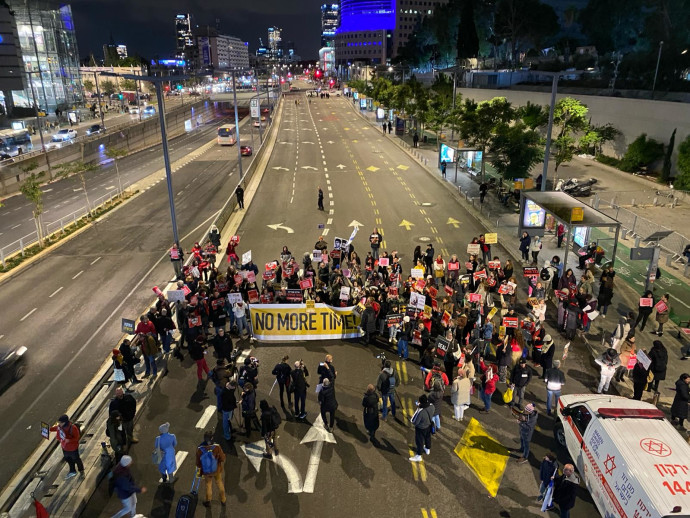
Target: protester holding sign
(663,308)
(525,241)
(644,309)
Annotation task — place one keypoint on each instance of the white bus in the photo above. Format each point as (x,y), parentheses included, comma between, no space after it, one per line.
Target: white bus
(15,142)
(227,136)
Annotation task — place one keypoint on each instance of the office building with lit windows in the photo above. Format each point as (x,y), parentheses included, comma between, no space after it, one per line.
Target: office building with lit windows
(184,40)
(330,20)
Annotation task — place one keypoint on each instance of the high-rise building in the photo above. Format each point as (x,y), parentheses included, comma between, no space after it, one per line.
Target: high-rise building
(122,51)
(275,43)
(220,52)
(183,35)
(330,19)
(49,55)
(409,19)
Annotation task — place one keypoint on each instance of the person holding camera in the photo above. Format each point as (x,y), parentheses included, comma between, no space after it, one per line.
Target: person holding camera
(527,421)
(609,362)
(326,370)
(299,387)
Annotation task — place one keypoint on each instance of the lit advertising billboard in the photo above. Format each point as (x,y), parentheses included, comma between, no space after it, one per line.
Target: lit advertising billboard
(534,216)
(447,154)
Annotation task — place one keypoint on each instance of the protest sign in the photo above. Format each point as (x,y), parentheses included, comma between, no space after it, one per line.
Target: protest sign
(491,239)
(316,255)
(392,292)
(294,295)
(394,319)
(175,296)
(416,300)
(247,257)
(234,298)
(251,276)
(384,261)
(474,297)
(253,296)
(473,248)
(646,302)
(494,265)
(128,325)
(344,293)
(417,273)
(529,271)
(510,322)
(305,284)
(442,346)
(453,266)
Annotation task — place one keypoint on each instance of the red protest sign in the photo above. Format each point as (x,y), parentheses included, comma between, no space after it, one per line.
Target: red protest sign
(294,295)
(445,320)
(266,299)
(434,305)
(419,284)
(271,266)
(453,265)
(448,290)
(661,306)
(392,292)
(186,290)
(529,271)
(504,289)
(481,274)
(433,291)
(510,322)
(253,296)
(269,276)
(251,276)
(646,302)
(494,265)
(335,254)
(384,261)
(474,297)
(156,290)
(238,279)
(305,284)
(235,240)
(469,265)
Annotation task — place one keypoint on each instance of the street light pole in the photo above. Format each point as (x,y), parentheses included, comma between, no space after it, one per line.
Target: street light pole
(38,123)
(237,123)
(658,59)
(100,103)
(547,150)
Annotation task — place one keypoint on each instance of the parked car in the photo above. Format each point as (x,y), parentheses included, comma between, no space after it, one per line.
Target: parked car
(95,129)
(12,365)
(133,110)
(62,138)
(246,150)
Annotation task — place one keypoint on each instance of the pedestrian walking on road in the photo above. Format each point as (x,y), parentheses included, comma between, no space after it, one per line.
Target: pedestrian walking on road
(679,408)
(127,406)
(370,404)
(328,404)
(210,460)
(239,192)
(197,352)
(375,241)
(320,200)
(228,405)
(483,189)
(390,128)
(565,490)
(662,313)
(270,421)
(643,312)
(555,379)
(282,372)
(68,435)
(528,422)
(422,421)
(299,388)
(460,394)
(167,442)
(125,488)
(659,357)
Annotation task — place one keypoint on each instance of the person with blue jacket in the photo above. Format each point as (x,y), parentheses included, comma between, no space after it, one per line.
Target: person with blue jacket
(125,488)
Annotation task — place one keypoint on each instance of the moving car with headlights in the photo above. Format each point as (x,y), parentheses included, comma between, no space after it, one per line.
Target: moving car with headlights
(95,129)
(12,365)
(148,111)
(227,136)
(62,138)
(632,460)
(246,150)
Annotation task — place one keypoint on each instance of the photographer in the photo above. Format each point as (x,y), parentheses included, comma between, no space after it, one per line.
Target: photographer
(609,362)
(249,372)
(282,372)
(326,370)
(527,422)
(299,387)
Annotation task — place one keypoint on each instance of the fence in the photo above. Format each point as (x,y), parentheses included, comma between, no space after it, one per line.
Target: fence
(49,229)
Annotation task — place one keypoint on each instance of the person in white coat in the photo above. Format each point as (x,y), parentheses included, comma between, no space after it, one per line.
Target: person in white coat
(460,394)
(609,362)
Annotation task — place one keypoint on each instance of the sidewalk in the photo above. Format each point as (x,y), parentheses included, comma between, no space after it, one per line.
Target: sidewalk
(504,221)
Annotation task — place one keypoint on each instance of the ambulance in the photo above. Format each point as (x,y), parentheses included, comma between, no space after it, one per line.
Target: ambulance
(633,461)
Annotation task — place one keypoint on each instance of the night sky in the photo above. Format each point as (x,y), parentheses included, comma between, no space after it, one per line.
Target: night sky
(147,26)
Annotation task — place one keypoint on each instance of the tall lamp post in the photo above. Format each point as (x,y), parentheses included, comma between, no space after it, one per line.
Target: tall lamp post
(157,82)
(38,122)
(237,123)
(656,71)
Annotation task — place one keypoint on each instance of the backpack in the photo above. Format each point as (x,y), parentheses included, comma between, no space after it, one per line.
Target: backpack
(209,463)
(386,383)
(275,418)
(544,275)
(436,376)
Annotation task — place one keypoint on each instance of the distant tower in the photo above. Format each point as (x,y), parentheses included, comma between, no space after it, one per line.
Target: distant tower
(183,35)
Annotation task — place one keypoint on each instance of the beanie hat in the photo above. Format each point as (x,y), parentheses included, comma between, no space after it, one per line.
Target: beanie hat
(63,418)
(164,428)
(125,461)
(529,408)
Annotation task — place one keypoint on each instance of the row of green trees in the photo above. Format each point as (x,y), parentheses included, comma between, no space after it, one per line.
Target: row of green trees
(108,87)
(514,136)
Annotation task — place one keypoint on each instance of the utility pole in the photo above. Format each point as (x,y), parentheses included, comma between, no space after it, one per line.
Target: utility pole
(237,124)
(658,59)
(100,103)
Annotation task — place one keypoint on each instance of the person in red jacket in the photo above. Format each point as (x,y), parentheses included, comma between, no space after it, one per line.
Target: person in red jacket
(145,327)
(68,435)
(434,374)
(489,379)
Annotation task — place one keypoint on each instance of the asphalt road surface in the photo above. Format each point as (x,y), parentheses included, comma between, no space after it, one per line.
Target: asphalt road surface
(66,307)
(368,180)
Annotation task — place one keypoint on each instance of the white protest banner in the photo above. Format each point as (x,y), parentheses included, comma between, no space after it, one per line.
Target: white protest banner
(316,255)
(417,300)
(417,273)
(344,293)
(645,360)
(473,248)
(352,236)
(234,298)
(246,257)
(175,296)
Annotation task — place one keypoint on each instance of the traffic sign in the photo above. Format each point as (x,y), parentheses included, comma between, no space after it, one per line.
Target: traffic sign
(254,108)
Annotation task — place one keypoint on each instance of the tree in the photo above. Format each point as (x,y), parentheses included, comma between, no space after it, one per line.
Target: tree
(641,153)
(468,40)
(116,154)
(31,189)
(565,149)
(682,180)
(88,85)
(516,150)
(666,169)
(78,169)
(571,115)
(129,85)
(108,87)
(533,115)
(524,23)
(612,25)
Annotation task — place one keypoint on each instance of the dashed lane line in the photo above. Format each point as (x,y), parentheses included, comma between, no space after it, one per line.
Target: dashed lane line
(55,292)
(95,261)
(27,315)
(77,275)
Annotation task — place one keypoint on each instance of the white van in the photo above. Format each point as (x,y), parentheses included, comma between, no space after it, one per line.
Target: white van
(634,462)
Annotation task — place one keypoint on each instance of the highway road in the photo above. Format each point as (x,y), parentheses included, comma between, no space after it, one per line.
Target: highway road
(66,307)
(368,181)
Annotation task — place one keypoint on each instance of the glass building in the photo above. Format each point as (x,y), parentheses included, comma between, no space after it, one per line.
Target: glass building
(50,56)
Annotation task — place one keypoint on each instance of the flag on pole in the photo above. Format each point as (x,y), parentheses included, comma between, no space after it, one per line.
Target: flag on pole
(273,386)
(41,511)
(548,497)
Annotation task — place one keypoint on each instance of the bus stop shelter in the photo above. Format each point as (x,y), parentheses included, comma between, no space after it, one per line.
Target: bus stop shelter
(577,217)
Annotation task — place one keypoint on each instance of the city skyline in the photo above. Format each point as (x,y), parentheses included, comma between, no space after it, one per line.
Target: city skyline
(133,24)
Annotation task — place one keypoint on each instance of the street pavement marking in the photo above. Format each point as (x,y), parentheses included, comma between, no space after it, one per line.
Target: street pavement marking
(206,417)
(180,456)
(95,261)
(2,336)
(55,292)
(484,455)
(16,226)
(27,315)
(404,369)
(403,167)
(439,241)
(429,514)
(415,471)
(77,275)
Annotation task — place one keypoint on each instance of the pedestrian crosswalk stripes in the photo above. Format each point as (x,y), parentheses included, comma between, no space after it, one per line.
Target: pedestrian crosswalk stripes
(431,513)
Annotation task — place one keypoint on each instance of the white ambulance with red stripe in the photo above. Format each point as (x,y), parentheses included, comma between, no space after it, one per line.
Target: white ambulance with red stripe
(633,461)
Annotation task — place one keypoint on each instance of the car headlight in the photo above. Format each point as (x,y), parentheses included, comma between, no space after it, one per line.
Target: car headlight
(21,351)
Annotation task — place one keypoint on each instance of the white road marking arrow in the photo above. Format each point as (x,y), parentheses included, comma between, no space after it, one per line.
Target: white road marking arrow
(318,435)
(406,224)
(276,226)
(330,142)
(255,451)
(340,166)
(309,167)
(279,168)
(355,223)
(454,222)
(308,143)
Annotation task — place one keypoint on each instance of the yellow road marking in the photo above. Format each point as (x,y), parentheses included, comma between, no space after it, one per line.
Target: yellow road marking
(440,241)
(484,455)
(422,471)
(422,211)
(415,471)
(404,369)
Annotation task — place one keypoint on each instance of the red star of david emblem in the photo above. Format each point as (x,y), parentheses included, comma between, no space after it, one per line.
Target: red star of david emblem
(609,464)
(655,447)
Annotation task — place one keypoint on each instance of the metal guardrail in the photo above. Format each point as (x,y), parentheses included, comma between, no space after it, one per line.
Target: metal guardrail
(21,244)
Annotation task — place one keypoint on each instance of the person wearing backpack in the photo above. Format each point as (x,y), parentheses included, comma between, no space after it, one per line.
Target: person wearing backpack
(282,372)
(386,383)
(248,405)
(270,421)
(209,461)
(423,422)
(434,375)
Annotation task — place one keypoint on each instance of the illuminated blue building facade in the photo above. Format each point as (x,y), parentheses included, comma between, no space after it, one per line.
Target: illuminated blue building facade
(367,15)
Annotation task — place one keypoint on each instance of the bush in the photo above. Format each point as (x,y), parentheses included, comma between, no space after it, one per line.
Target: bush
(641,153)
(608,160)
(682,179)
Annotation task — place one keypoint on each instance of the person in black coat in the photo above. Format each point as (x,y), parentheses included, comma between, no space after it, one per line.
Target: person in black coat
(368,324)
(370,403)
(222,345)
(679,408)
(128,361)
(282,373)
(659,357)
(547,352)
(299,388)
(639,379)
(643,312)
(328,404)
(565,489)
